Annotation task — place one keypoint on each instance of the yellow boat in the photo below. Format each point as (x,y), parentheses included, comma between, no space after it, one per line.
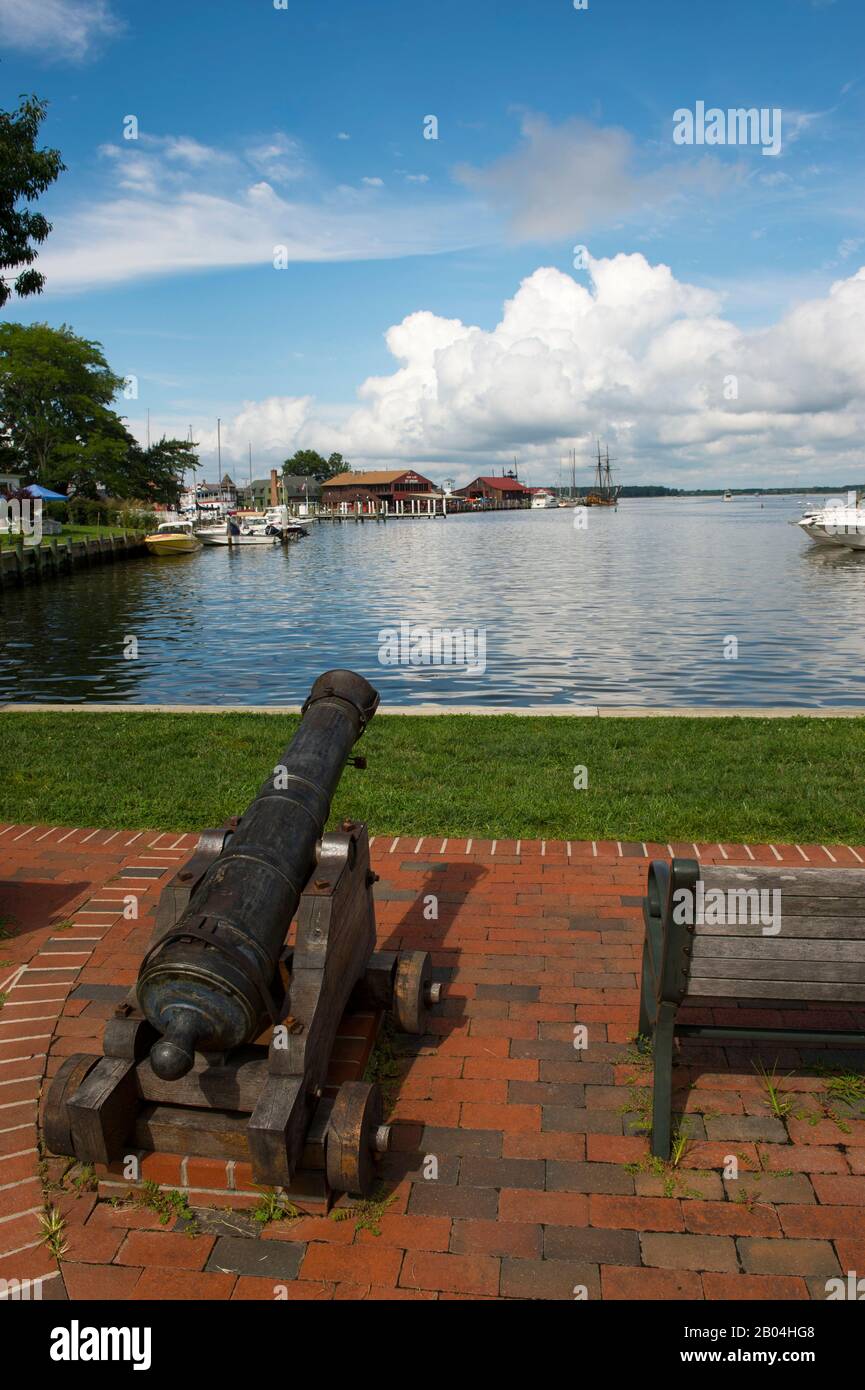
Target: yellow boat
(173,538)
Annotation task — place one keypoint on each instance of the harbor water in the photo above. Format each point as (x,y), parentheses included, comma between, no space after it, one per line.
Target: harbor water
(661,602)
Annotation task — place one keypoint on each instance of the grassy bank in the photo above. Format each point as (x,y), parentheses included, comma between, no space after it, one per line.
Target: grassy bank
(748,779)
(69,533)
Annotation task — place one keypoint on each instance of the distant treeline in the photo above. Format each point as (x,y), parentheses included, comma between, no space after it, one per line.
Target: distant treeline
(655,490)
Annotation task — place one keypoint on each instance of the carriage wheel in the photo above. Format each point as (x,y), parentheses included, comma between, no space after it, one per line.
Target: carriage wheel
(413,991)
(55,1118)
(354,1132)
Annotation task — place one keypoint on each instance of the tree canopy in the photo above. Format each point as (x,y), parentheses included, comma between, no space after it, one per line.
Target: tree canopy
(307,463)
(25,172)
(59,428)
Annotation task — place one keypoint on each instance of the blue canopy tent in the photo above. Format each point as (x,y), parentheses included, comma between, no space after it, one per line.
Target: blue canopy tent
(44,494)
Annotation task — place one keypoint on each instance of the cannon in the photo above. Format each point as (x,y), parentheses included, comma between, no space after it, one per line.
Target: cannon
(222,1047)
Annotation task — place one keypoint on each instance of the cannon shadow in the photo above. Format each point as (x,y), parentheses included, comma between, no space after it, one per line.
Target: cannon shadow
(414,931)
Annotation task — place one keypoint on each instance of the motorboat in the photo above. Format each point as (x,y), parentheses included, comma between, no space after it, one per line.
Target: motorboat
(173,538)
(728,496)
(289,525)
(240,532)
(251,530)
(838,523)
(543,501)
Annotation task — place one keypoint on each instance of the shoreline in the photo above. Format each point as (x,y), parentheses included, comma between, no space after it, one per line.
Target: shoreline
(475,711)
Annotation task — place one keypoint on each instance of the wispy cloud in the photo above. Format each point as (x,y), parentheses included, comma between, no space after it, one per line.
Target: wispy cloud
(58,30)
(565,180)
(169,204)
(279,159)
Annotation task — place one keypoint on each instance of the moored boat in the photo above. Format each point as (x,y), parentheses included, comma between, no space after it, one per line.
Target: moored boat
(251,531)
(838,523)
(543,500)
(604,492)
(173,538)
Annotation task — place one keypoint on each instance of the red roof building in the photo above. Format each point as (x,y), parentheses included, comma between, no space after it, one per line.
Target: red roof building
(379,488)
(503,491)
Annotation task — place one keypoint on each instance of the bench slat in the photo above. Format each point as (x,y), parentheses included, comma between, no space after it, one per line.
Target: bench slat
(795,905)
(779,947)
(838,970)
(815,928)
(808,882)
(777,989)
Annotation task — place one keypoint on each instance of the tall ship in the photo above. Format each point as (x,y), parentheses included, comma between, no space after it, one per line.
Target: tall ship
(602,491)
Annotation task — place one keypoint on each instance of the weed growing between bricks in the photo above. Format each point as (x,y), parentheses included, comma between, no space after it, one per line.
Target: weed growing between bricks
(274,1206)
(383,1066)
(367,1214)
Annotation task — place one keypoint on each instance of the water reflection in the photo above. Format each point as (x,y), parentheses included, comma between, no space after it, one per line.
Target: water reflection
(633,610)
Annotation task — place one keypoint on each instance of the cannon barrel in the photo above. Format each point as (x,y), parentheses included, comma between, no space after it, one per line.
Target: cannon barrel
(207,984)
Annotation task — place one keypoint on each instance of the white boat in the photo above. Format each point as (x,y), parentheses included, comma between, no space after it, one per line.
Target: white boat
(728,496)
(543,501)
(838,523)
(240,533)
(289,525)
(250,531)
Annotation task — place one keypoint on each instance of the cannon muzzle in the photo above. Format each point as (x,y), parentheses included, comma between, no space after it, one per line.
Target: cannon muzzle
(210,983)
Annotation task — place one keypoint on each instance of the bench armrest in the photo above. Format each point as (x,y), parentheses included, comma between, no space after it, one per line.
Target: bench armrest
(669,928)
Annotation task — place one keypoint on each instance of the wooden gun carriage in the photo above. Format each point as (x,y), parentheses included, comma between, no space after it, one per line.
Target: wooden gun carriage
(222,1047)
(812,952)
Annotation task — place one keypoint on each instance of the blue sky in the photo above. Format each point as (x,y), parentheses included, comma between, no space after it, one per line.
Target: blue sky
(304,127)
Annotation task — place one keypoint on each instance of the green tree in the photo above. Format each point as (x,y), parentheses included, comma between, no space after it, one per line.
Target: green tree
(25,172)
(307,463)
(56,391)
(156,474)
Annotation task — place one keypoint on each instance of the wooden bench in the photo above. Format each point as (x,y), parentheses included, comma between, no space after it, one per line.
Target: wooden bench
(814,953)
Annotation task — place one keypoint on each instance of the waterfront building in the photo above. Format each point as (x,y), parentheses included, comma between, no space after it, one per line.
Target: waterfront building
(397,490)
(299,493)
(498,492)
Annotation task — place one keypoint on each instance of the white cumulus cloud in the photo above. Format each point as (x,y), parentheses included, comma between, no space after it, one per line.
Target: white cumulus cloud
(638,357)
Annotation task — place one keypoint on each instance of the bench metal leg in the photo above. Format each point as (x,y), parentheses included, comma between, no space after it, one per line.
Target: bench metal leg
(662,1100)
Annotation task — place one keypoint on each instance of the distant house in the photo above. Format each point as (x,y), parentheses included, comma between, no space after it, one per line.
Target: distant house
(396,488)
(296,488)
(507,492)
(217,492)
(257,495)
(10,482)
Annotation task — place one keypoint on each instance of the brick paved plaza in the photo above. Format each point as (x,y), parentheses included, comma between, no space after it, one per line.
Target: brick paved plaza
(542,1184)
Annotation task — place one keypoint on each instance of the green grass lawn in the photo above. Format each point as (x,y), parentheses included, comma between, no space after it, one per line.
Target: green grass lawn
(505,776)
(72,533)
